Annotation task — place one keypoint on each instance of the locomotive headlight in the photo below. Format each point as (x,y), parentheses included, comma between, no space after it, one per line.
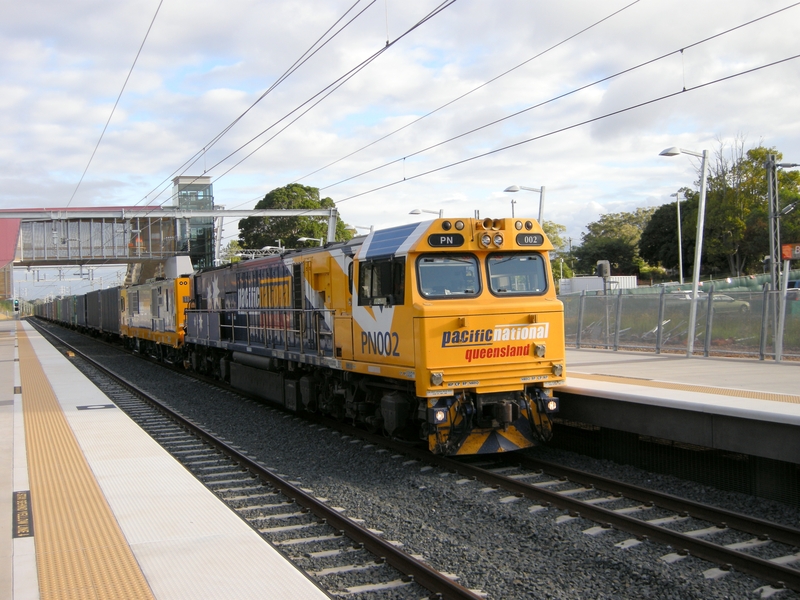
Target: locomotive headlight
(459,225)
(437,378)
(552,405)
(439,416)
(558,370)
(539,350)
(486,239)
(498,240)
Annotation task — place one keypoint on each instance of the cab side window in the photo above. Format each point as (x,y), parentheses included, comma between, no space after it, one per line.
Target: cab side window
(381,282)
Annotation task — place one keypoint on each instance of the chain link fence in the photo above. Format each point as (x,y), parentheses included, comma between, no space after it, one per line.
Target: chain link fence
(728,324)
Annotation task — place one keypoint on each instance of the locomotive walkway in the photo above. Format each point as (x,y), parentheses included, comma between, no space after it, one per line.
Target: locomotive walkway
(94,508)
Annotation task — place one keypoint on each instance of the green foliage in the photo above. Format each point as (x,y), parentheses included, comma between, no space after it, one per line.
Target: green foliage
(257,232)
(736,233)
(654,274)
(555,233)
(659,242)
(737,209)
(624,226)
(615,238)
(620,252)
(231,250)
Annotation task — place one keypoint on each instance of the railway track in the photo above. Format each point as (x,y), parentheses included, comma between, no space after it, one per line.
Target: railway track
(687,527)
(730,541)
(344,557)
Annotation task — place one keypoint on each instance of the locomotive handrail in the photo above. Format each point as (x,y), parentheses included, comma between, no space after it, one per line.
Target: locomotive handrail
(260,319)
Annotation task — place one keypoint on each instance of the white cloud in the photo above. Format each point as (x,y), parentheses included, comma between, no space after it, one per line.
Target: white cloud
(205,63)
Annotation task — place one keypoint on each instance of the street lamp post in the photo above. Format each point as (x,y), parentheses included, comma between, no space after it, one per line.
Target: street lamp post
(698,248)
(310,239)
(680,244)
(540,191)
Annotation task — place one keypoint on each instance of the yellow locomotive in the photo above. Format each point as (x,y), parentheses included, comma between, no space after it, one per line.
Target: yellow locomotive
(447,331)
(152,317)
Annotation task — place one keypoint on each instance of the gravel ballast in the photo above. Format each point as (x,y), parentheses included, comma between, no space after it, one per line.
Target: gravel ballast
(503,549)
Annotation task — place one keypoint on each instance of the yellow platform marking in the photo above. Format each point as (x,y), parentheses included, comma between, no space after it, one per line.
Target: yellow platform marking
(81,552)
(688,387)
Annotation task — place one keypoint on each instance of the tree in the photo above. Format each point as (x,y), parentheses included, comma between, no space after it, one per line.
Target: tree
(736,232)
(555,233)
(658,244)
(624,225)
(618,251)
(231,250)
(737,208)
(257,232)
(559,258)
(615,238)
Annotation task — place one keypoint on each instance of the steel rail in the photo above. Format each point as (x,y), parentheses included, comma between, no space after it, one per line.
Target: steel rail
(770,572)
(429,578)
(727,558)
(753,525)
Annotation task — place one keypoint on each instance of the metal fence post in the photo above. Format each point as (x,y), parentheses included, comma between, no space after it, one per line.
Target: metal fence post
(618,318)
(782,309)
(762,352)
(660,325)
(580,319)
(709,321)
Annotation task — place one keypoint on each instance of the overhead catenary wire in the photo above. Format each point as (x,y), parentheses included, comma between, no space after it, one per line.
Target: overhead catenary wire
(322,94)
(325,92)
(299,62)
(454,100)
(573,126)
(473,90)
(310,52)
(562,96)
(599,81)
(412,177)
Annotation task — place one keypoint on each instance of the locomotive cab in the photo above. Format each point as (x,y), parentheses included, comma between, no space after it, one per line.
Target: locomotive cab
(467,309)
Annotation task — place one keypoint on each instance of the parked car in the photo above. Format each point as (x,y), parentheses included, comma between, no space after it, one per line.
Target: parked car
(723,303)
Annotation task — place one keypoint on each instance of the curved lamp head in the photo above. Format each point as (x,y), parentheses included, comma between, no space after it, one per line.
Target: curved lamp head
(512,188)
(419,211)
(674,151)
(310,239)
(788,208)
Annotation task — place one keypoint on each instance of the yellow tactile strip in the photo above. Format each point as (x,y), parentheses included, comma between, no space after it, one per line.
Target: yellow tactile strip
(81,552)
(688,387)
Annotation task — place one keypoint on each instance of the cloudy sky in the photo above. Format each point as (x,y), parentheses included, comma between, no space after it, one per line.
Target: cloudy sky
(204,64)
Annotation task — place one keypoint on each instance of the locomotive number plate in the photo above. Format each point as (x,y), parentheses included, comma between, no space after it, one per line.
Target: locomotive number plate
(530,239)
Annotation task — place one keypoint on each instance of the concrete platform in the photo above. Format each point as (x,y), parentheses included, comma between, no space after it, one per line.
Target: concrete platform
(100,509)
(740,405)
